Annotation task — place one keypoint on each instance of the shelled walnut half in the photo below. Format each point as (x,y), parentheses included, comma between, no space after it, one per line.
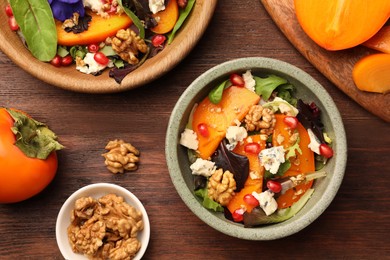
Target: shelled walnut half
(121,156)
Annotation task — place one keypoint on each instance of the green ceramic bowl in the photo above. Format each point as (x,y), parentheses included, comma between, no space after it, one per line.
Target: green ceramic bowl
(308,89)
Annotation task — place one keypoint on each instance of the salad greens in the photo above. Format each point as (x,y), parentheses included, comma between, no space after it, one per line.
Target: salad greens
(265,86)
(36,22)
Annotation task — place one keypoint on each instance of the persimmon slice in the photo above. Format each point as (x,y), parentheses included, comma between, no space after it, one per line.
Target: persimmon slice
(99,29)
(380,41)
(341,24)
(372,73)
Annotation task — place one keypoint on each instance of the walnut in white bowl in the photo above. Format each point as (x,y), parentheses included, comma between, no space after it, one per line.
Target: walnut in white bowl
(102,221)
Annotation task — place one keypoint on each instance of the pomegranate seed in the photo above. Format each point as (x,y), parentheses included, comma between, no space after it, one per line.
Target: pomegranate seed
(237,80)
(238,215)
(8,10)
(56,61)
(93,47)
(274,186)
(203,130)
(251,200)
(326,150)
(252,148)
(158,40)
(100,58)
(67,60)
(291,121)
(12,23)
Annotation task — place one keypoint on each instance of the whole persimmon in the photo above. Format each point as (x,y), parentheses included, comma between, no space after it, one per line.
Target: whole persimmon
(28,159)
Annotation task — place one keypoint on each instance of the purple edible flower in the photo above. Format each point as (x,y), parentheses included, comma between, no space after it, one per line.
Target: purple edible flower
(64,9)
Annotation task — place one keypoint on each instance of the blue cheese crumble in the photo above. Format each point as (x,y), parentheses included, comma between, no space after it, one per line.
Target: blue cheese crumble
(271,158)
(189,139)
(203,167)
(266,201)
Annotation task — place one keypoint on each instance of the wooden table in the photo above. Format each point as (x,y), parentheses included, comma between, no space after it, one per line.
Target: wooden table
(355,226)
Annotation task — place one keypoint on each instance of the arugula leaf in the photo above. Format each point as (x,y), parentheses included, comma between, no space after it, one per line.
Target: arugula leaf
(215,94)
(265,86)
(182,17)
(36,22)
(137,22)
(207,202)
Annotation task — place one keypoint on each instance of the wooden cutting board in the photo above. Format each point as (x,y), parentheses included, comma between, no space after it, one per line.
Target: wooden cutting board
(335,65)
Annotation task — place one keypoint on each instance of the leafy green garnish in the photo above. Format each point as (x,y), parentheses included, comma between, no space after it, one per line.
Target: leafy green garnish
(258,217)
(285,92)
(62,51)
(137,22)
(207,202)
(265,86)
(215,94)
(182,17)
(36,22)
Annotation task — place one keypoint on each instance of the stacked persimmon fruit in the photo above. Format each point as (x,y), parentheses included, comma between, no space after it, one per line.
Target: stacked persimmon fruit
(342,24)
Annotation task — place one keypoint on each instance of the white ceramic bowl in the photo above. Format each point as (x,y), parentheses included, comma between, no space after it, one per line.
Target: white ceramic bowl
(308,89)
(96,191)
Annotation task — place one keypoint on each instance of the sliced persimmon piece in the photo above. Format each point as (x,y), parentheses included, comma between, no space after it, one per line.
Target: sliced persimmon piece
(255,169)
(380,41)
(167,18)
(341,24)
(99,29)
(372,73)
(233,107)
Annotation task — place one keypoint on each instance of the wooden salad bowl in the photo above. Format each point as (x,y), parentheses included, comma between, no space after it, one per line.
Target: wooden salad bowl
(70,79)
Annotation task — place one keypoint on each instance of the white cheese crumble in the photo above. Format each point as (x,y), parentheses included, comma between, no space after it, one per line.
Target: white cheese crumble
(266,201)
(271,158)
(91,66)
(235,134)
(203,167)
(314,144)
(250,82)
(156,6)
(96,6)
(189,139)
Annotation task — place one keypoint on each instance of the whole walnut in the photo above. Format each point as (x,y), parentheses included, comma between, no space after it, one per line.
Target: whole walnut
(221,186)
(260,119)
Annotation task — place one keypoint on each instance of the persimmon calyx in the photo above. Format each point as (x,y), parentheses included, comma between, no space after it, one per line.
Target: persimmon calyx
(33,138)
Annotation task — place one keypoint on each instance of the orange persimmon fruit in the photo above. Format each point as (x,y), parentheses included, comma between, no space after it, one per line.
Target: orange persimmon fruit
(372,73)
(380,41)
(341,24)
(166,18)
(250,185)
(99,29)
(303,163)
(234,105)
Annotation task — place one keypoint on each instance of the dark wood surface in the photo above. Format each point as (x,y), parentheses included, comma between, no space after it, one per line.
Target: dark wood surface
(355,226)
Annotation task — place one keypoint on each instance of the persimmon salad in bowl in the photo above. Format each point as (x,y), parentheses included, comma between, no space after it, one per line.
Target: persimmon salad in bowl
(256,148)
(101,46)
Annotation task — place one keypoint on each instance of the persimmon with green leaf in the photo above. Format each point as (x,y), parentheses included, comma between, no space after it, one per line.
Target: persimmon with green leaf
(28,159)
